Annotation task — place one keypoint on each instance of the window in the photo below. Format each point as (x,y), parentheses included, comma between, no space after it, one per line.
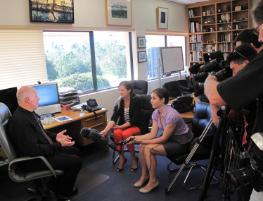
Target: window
(69,59)
(153,55)
(177,41)
(153,42)
(112,58)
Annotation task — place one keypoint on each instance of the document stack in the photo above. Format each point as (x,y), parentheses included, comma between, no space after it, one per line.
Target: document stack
(70,97)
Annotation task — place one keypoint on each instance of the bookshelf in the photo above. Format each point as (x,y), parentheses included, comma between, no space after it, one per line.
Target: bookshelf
(213,26)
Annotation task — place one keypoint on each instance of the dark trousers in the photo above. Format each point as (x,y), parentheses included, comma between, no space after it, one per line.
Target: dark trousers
(66,160)
(70,163)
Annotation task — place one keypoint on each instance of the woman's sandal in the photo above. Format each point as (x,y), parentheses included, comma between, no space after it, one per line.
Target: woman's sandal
(121,169)
(133,169)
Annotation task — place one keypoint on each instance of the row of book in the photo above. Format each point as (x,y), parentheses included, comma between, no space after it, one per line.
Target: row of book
(194,27)
(196,47)
(195,38)
(196,56)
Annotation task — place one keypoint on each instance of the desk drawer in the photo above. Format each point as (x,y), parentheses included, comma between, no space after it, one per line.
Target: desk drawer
(94,122)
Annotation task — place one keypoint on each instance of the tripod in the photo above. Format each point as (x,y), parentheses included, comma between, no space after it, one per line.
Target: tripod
(189,157)
(214,156)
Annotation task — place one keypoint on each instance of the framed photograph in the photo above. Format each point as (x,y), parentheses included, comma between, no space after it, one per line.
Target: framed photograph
(55,11)
(142,56)
(162,18)
(141,42)
(118,12)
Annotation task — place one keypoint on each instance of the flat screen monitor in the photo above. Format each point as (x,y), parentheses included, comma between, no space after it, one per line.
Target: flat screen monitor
(172,59)
(48,98)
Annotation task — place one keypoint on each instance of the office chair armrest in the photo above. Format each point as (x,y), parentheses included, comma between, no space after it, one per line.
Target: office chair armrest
(25,159)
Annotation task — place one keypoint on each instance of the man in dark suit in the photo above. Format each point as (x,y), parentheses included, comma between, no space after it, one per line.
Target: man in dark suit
(30,139)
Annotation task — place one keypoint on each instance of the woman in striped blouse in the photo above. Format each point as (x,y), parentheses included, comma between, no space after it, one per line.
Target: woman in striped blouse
(125,122)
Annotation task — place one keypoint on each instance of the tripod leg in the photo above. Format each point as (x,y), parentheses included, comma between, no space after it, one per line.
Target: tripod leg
(212,159)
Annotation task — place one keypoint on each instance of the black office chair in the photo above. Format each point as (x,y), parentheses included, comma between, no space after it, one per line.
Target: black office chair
(140,86)
(177,88)
(146,114)
(200,122)
(15,173)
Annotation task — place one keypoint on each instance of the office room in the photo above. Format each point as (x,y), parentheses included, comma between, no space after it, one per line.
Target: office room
(71,69)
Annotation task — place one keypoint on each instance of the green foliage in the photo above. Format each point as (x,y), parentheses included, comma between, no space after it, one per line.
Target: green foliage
(111,58)
(71,66)
(82,81)
(51,72)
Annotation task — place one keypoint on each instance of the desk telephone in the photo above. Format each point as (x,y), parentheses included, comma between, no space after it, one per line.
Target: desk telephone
(91,106)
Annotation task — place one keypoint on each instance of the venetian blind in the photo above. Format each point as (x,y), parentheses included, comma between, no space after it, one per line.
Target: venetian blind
(22,58)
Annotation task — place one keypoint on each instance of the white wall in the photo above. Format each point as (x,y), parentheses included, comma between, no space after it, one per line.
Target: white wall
(90,15)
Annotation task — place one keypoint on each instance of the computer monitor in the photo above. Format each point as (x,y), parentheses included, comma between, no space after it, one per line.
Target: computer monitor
(48,98)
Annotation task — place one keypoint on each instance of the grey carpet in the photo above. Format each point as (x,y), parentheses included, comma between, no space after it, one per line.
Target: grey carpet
(87,180)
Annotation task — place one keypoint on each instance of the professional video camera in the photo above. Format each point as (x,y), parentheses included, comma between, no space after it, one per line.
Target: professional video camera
(252,171)
(214,65)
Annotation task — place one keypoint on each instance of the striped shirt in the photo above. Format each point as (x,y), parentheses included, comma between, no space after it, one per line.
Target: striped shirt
(126,114)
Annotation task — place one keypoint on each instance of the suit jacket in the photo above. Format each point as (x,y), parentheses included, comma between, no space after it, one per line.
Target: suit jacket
(27,136)
(135,113)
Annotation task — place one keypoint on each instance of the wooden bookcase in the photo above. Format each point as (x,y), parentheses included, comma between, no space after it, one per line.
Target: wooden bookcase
(213,26)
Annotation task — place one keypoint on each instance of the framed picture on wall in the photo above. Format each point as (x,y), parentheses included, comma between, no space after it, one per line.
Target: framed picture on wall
(142,56)
(55,11)
(118,12)
(141,42)
(162,18)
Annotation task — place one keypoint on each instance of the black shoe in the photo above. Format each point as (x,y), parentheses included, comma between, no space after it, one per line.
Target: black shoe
(67,196)
(73,192)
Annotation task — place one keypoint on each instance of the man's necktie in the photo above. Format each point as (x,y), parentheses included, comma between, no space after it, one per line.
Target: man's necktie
(42,129)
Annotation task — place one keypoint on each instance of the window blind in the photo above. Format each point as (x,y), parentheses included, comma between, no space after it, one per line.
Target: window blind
(22,58)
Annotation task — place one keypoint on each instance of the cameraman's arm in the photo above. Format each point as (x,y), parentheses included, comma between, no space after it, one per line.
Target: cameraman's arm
(215,100)
(211,92)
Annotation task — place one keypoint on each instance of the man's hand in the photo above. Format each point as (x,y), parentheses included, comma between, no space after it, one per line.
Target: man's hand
(64,140)
(210,86)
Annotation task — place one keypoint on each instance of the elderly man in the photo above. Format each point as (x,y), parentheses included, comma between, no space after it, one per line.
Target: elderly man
(30,139)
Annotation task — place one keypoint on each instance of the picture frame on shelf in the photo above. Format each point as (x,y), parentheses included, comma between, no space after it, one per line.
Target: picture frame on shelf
(55,12)
(142,56)
(141,42)
(118,12)
(162,18)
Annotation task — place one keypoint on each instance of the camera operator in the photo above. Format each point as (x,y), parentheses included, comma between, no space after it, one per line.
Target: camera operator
(249,36)
(242,89)
(237,60)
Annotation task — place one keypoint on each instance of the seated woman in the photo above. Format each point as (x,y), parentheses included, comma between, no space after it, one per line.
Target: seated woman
(169,135)
(125,122)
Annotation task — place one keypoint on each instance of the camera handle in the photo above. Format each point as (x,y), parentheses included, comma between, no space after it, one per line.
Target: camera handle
(214,154)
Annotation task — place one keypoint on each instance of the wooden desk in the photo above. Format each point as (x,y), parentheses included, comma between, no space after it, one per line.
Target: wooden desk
(79,120)
(187,115)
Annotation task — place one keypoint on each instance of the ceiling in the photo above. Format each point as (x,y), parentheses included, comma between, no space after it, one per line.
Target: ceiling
(187,1)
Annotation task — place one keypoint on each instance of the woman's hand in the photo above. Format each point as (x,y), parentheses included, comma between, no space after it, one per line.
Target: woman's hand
(116,126)
(131,140)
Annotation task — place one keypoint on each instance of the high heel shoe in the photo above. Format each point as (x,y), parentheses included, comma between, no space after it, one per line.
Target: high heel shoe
(144,190)
(119,169)
(139,184)
(133,169)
